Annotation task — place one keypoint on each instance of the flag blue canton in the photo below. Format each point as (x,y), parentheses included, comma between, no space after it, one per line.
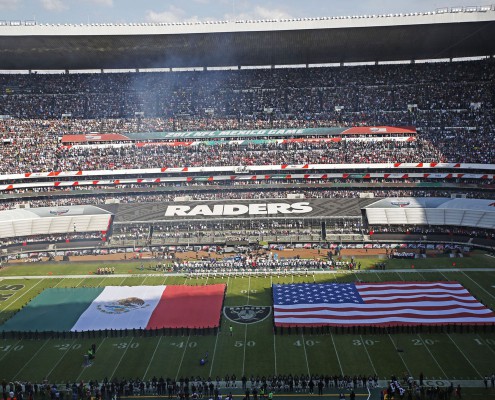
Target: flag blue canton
(316,293)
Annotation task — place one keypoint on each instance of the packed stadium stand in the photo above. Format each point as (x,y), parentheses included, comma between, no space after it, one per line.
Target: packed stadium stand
(334,139)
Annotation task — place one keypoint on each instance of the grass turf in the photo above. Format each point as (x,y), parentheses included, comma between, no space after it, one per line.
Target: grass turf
(252,349)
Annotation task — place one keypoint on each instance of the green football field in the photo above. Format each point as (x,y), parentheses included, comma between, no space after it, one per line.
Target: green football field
(253,349)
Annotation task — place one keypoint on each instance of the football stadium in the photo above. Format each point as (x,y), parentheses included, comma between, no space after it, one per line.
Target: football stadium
(283,207)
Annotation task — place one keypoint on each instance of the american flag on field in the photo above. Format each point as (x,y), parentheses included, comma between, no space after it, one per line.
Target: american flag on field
(378,304)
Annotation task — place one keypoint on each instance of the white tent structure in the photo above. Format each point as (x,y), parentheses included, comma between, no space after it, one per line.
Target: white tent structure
(53,220)
(475,213)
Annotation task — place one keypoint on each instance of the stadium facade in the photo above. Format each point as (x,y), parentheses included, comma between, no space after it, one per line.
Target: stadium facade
(316,118)
(445,33)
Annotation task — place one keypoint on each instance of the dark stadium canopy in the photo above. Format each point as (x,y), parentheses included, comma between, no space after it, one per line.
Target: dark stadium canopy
(454,33)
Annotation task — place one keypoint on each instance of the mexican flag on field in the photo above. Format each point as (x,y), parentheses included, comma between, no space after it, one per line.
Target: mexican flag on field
(121,307)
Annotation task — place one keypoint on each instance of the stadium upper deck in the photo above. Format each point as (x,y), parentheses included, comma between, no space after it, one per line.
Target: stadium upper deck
(445,33)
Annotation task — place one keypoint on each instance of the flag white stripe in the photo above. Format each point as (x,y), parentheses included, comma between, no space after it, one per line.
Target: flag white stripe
(384,292)
(377,305)
(384,304)
(106,313)
(417,296)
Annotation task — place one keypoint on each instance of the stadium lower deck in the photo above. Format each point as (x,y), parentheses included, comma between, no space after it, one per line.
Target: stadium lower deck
(336,140)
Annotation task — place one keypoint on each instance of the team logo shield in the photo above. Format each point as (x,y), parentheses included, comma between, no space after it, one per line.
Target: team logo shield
(122,306)
(247,314)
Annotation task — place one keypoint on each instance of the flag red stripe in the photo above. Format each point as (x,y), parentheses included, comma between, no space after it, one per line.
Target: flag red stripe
(371,316)
(383,304)
(382,325)
(188,307)
(405,299)
(408,285)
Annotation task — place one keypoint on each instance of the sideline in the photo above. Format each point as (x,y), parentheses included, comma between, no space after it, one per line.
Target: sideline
(253,273)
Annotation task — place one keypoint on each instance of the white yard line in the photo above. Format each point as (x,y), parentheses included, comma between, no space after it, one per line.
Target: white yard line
(9,350)
(400,354)
(152,358)
(378,275)
(481,287)
(182,358)
(368,354)
(214,351)
(218,333)
(337,354)
(245,330)
(249,290)
(432,356)
(80,282)
(31,359)
(59,282)
(121,358)
(22,295)
(486,344)
(421,275)
(98,348)
(305,353)
(467,359)
(441,273)
(60,359)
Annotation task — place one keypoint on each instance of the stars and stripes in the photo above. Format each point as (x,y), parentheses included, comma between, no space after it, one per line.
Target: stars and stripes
(378,304)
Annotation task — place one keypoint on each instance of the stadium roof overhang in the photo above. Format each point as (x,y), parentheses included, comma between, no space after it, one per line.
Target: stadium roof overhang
(286,42)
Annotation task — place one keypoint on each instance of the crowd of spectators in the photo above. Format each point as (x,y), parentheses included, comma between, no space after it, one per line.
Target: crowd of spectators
(451,104)
(250,193)
(452,107)
(194,387)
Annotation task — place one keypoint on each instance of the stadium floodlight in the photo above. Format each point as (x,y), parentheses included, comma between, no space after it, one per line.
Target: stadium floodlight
(484,8)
